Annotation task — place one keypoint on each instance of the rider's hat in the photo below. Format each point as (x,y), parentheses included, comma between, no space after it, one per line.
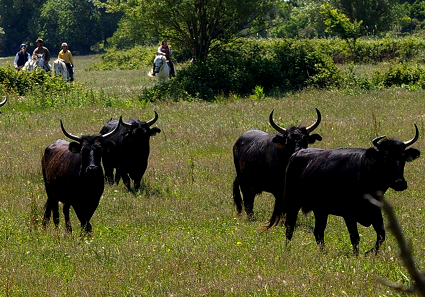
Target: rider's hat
(64,44)
(23,45)
(39,40)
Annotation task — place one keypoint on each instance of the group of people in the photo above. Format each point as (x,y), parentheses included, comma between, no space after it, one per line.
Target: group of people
(64,54)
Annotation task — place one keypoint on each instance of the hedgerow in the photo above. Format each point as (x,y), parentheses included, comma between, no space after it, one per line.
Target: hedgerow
(237,68)
(22,82)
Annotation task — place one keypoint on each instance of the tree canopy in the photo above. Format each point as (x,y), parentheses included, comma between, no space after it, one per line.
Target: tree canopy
(197,25)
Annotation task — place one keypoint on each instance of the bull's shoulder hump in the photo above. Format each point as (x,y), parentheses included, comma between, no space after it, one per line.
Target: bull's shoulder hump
(59,144)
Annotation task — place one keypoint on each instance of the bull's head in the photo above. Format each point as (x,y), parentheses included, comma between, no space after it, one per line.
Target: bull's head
(139,132)
(392,155)
(91,148)
(295,138)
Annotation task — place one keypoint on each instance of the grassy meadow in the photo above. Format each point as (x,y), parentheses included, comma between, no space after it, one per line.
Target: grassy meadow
(180,235)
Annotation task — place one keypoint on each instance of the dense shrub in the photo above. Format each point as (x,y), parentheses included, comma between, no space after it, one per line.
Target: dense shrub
(21,82)
(403,74)
(238,68)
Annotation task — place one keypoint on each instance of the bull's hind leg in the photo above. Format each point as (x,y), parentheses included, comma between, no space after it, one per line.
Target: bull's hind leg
(109,174)
(51,206)
(354,234)
(290,221)
(47,213)
(237,196)
(248,201)
(65,211)
(126,180)
(319,228)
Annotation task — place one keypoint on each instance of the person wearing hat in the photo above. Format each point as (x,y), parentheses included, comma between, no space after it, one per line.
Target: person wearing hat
(42,50)
(21,57)
(66,56)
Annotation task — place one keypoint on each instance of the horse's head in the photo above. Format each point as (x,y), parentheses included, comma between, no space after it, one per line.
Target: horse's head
(38,60)
(159,62)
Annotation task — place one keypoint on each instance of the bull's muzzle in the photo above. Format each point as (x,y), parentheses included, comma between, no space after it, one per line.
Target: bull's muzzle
(399,185)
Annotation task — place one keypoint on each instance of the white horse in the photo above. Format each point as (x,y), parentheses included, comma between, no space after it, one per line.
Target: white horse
(161,69)
(36,62)
(59,67)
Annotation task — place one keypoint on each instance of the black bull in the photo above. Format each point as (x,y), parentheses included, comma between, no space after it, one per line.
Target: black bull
(131,151)
(336,181)
(73,175)
(261,158)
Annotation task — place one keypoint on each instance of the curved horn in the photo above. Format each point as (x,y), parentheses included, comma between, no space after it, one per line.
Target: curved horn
(153,120)
(377,139)
(413,140)
(109,134)
(274,125)
(314,126)
(4,101)
(73,137)
(124,124)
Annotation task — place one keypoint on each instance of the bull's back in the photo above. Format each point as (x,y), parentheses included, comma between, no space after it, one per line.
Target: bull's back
(59,165)
(331,178)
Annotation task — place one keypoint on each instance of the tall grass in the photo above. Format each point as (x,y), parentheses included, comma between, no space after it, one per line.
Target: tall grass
(180,235)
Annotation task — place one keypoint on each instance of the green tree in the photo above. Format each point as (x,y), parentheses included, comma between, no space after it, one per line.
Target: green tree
(298,19)
(377,15)
(79,23)
(15,17)
(196,25)
(74,22)
(338,23)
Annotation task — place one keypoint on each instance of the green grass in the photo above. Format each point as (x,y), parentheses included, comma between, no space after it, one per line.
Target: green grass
(180,235)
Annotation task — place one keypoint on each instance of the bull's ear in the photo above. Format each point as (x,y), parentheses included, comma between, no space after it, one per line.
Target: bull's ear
(108,146)
(312,138)
(155,130)
(411,154)
(74,147)
(373,154)
(279,141)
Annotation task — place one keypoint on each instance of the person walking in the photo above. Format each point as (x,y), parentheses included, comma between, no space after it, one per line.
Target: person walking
(66,56)
(42,50)
(21,57)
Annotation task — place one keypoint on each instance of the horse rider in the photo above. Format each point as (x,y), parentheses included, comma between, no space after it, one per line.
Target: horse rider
(21,57)
(42,50)
(66,56)
(165,50)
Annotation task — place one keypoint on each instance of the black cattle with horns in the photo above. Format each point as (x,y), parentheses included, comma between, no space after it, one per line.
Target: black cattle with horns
(130,154)
(335,182)
(73,175)
(261,158)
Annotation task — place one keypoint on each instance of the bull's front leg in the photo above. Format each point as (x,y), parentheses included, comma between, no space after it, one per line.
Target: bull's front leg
(378,225)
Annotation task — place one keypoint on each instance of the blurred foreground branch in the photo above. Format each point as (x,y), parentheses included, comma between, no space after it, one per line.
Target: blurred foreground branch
(418,277)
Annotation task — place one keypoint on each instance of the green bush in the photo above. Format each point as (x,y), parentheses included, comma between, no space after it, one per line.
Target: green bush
(22,82)
(404,74)
(239,68)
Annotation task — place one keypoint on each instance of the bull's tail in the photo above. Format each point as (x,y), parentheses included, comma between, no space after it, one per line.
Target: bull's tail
(278,213)
(237,198)
(280,207)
